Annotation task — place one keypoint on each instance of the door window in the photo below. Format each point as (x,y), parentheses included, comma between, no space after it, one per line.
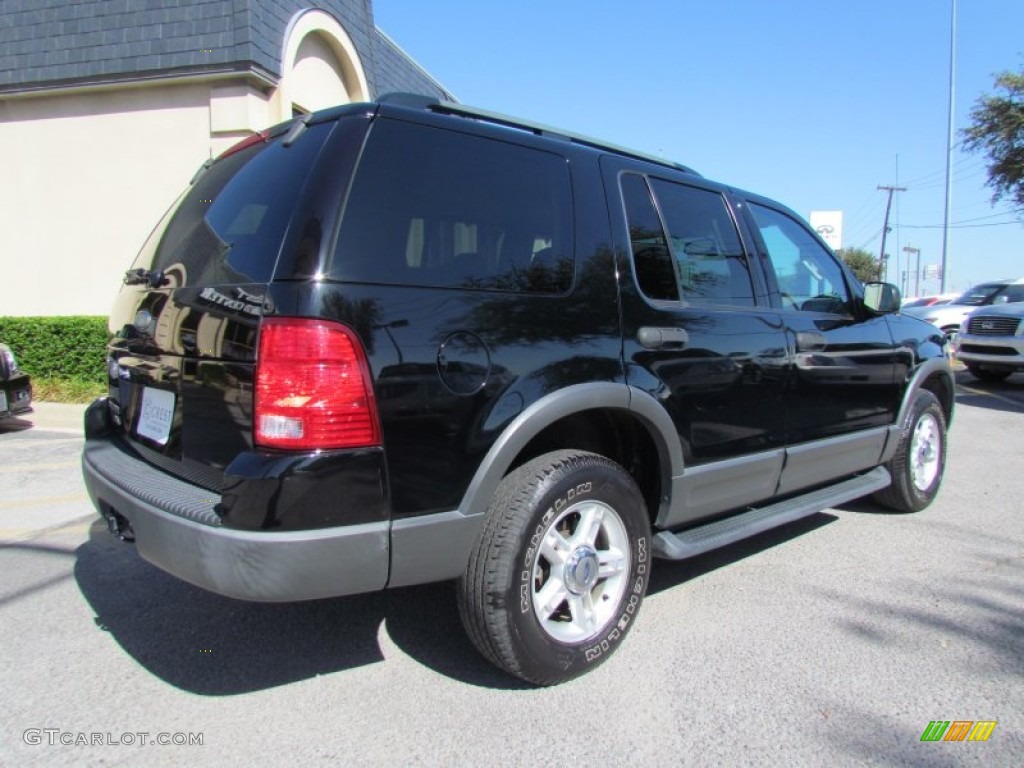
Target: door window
(808,276)
(700,260)
(651,259)
(705,244)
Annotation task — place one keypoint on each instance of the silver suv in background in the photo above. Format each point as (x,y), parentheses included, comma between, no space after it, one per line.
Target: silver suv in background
(991,343)
(949,317)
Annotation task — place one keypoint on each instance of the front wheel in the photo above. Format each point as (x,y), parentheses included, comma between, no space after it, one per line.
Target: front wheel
(560,569)
(920,458)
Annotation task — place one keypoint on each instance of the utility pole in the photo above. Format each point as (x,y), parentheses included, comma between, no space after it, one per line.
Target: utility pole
(885,226)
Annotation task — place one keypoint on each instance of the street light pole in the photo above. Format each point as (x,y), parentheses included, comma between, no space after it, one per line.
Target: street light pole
(949,146)
(917,270)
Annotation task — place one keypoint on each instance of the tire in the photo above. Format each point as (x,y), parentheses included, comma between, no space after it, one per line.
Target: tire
(920,458)
(560,569)
(987,374)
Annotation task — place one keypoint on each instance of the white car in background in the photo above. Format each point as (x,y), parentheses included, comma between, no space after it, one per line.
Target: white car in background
(991,342)
(949,317)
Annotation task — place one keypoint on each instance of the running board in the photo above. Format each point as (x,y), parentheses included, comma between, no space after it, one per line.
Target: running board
(697,541)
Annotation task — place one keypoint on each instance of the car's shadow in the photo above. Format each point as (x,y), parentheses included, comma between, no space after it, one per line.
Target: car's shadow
(216,646)
(15,423)
(667,574)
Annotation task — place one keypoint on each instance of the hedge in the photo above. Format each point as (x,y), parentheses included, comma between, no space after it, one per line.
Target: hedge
(72,348)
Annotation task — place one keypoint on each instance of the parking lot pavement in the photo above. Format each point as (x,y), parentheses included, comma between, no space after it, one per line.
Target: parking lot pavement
(834,641)
(40,471)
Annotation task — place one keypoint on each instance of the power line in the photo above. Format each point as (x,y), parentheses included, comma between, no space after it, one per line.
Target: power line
(962,226)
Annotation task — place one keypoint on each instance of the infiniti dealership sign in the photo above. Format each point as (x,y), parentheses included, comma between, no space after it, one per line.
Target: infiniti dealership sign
(829,224)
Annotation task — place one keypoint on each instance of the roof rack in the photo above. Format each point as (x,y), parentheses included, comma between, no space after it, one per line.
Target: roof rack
(417,101)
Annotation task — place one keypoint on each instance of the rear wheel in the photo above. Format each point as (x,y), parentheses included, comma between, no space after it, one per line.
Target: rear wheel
(560,569)
(920,458)
(987,374)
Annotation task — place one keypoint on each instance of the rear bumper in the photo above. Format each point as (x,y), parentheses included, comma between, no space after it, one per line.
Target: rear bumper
(176,528)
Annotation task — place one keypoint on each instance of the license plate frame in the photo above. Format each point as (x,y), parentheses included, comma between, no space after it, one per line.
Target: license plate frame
(156,414)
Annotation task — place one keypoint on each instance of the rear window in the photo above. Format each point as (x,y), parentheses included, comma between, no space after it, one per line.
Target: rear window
(437,208)
(228,226)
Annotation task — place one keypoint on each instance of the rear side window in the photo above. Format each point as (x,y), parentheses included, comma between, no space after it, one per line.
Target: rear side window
(228,227)
(430,207)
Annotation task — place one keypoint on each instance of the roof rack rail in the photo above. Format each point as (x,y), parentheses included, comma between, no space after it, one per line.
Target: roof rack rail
(417,101)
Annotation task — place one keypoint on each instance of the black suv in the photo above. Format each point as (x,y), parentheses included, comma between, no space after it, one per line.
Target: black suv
(410,341)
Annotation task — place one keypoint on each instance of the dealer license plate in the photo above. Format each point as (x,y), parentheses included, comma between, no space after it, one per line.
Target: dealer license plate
(156,415)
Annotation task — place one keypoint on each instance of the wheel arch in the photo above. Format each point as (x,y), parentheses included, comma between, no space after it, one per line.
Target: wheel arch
(620,422)
(935,376)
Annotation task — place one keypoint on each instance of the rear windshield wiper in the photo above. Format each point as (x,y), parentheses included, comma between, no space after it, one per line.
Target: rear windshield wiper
(154,278)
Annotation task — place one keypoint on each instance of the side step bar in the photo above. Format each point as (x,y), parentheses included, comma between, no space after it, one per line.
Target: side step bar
(697,541)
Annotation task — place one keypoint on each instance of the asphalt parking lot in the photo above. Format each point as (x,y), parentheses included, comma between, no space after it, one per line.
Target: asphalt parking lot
(833,641)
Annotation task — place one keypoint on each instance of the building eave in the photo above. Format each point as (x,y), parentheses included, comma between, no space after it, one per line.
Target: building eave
(254,74)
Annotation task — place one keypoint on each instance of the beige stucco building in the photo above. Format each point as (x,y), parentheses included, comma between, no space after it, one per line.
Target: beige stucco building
(107,112)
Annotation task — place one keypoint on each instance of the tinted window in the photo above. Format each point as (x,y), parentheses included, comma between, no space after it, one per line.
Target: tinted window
(992,293)
(808,276)
(705,244)
(228,227)
(431,207)
(1012,294)
(651,258)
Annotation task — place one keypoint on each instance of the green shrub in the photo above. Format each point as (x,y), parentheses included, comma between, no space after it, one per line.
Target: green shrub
(66,390)
(62,348)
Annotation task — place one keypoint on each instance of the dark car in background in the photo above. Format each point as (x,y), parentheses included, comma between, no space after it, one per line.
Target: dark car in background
(15,385)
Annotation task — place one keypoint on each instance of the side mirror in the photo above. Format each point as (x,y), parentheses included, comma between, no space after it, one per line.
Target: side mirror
(882,298)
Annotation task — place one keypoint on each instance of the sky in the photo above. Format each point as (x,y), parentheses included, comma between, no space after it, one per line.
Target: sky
(814,104)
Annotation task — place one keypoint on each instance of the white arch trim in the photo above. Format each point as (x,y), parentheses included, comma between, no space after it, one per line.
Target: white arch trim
(314,21)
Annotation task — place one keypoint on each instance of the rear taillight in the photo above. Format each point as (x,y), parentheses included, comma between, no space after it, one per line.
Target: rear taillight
(313,387)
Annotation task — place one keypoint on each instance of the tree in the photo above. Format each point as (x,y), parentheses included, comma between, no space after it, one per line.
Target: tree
(997,129)
(863,264)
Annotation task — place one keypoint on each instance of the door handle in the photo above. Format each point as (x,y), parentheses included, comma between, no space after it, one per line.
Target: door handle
(660,338)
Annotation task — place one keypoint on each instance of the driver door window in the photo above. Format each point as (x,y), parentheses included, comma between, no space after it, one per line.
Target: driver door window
(808,276)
